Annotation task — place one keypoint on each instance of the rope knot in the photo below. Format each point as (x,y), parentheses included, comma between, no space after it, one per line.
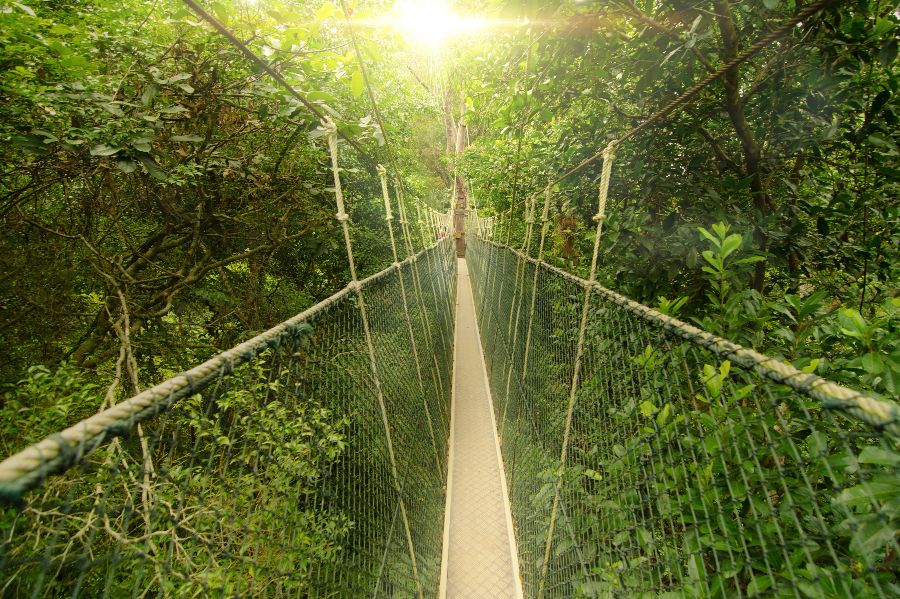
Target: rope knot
(598,217)
(381,170)
(342,217)
(329,126)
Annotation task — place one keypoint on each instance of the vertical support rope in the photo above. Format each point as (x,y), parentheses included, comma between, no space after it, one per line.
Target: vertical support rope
(343,218)
(579,352)
(545,225)
(389,217)
(420,224)
(436,377)
(515,310)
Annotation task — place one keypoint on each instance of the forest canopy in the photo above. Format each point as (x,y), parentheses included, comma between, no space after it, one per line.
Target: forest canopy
(173,181)
(163,198)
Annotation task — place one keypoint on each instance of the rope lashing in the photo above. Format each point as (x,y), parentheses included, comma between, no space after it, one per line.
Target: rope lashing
(331,130)
(388,215)
(603,192)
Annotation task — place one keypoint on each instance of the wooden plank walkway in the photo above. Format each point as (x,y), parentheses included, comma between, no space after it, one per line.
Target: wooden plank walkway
(480,557)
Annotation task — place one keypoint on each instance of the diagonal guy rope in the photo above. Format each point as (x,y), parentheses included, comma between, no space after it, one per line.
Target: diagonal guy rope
(388,217)
(579,353)
(685,98)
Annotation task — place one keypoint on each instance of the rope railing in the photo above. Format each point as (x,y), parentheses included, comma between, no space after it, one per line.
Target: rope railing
(307,461)
(646,457)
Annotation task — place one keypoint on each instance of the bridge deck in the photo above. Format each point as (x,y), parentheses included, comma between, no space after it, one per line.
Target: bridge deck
(480,558)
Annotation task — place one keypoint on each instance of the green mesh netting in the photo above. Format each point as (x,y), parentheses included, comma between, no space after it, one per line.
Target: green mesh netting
(270,476)
(685,474)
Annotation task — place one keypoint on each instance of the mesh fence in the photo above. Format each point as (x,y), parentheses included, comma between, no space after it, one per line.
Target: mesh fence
(691,467)
(265,472)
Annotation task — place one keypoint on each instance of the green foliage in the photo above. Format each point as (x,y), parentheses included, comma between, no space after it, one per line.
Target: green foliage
(801,169)
(45,402)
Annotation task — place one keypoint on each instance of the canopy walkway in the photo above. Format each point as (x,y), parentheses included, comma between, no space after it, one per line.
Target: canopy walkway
(586,450)
(483,427)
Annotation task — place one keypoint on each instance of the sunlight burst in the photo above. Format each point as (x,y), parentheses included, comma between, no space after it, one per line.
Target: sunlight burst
(431,22)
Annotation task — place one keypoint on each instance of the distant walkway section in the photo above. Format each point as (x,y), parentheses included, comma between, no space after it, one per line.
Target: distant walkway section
(480,558)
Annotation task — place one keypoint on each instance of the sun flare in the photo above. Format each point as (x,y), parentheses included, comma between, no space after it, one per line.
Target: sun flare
(431,22)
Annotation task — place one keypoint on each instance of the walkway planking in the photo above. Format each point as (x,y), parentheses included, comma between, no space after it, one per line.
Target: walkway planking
(480,558)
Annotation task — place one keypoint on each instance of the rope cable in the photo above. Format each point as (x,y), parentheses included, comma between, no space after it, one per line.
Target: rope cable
(685,98)
(265,66)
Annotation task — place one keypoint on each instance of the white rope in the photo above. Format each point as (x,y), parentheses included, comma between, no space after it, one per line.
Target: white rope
(443,283)
(515,311)
(579,351)
(545,225)
(343,218)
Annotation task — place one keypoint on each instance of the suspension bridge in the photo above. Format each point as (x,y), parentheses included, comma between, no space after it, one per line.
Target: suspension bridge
(486,426)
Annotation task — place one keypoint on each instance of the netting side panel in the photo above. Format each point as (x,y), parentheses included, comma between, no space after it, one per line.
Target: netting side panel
(689,475)
(685,475)
(273,479)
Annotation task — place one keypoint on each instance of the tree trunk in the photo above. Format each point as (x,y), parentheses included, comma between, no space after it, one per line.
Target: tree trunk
(461,199)
(734,105)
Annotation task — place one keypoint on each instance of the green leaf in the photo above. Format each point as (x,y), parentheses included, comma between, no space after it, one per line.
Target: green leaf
(644,538)
(852,323)
(126,166)
(771,4)
(325,12)
(872,362)
(817,443)
(864,493)
(142,144)
(888,52)
(759,585)
(150,92)
(879,455)
(750,260)
(696,569)
(708,235)
(173,110)
(319,96)
(152,168)
(872,536)
(104,150)
(357,84)
(648,409)
(664,414)
(731,243)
